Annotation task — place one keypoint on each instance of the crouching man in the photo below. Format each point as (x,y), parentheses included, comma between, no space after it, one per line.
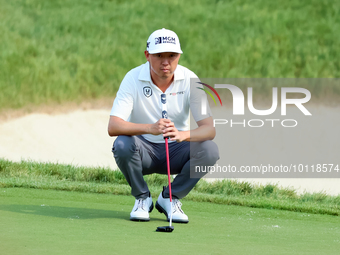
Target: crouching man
(136,118)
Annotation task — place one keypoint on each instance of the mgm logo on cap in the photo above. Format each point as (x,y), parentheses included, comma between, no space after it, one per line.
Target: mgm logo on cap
(163,40)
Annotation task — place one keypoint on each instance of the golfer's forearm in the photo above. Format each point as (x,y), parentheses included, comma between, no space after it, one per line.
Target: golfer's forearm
(134,129)
(121,127)
(205,131)
(200,134)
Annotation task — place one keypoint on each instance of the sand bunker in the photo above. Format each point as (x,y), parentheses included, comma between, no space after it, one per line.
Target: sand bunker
(78,138)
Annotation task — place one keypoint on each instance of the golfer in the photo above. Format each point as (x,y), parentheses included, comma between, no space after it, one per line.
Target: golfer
(136,118)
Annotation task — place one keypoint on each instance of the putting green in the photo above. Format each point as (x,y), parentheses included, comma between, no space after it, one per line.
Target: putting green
(59,222)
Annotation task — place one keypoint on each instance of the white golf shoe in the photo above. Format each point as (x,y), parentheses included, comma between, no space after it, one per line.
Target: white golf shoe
(163,205)
(141,209)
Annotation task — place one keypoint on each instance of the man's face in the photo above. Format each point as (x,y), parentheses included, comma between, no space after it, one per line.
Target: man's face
(163,65)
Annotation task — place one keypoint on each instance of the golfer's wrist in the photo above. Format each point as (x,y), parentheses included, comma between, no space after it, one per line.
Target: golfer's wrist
(148,129)
(185,135)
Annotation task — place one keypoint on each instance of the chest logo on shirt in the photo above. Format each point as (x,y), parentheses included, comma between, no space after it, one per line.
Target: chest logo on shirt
(177,93)
(147,91)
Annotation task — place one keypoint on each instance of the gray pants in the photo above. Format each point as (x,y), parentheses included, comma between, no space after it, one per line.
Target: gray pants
(135,157)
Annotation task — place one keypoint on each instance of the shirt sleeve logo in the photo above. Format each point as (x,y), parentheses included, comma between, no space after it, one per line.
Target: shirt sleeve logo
(147,91)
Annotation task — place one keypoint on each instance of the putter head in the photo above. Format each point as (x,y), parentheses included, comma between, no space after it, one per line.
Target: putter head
(165,229)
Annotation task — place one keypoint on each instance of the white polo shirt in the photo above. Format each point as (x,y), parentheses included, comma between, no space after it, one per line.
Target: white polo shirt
(138,100)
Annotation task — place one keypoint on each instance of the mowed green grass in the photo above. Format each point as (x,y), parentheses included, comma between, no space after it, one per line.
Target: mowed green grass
(60,222)
(74,50)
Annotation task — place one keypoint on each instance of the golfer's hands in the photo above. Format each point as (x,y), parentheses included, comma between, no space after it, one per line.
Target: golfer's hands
(171,131)
(168,129)
(158,127)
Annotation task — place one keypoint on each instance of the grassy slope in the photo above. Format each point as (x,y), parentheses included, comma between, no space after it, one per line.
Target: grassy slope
(58,222)
(70,178)
(71,50)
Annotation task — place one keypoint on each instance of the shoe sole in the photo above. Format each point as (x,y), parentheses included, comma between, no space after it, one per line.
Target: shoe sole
(143,219)
(161,210)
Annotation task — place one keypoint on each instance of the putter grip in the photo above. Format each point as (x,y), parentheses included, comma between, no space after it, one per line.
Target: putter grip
(164,108)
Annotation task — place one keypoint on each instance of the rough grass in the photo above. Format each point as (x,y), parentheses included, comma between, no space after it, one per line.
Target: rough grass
(74,50)
(100,180)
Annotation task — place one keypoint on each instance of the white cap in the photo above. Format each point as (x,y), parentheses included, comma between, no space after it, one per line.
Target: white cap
(163,40)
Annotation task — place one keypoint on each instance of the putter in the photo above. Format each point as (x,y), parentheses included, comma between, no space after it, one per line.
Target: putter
(165,116)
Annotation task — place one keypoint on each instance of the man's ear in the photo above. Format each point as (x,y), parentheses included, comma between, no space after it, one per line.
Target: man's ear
(147,55)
